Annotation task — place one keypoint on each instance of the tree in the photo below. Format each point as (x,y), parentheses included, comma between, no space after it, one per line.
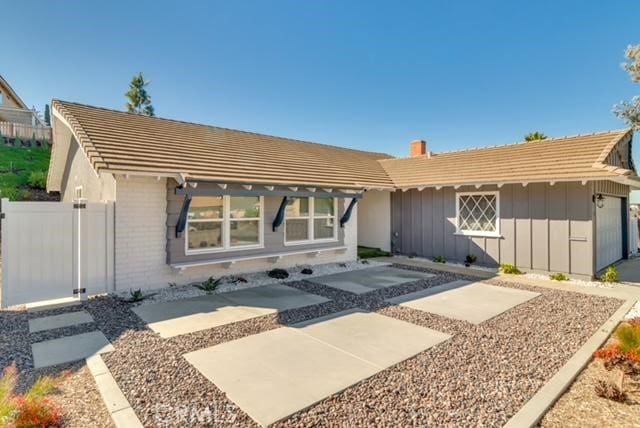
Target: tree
(47,115)
(629,111)
(138,99)
(535,136)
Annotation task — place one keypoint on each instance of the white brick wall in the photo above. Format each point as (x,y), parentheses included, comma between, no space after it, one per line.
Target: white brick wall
(140,243)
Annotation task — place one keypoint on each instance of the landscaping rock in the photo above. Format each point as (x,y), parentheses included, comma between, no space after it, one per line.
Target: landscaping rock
(278,273)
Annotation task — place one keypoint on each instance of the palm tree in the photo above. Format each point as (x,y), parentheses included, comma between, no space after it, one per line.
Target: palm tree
(535,136)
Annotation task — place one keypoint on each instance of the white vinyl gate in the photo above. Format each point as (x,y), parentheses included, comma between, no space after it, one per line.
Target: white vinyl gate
(53,250)
(609,232)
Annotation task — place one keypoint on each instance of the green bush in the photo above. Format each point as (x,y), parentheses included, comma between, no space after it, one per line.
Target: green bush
(38,180)
(368,252)
(510,269)
(610,275)
(439,259)
(559,277)
(209,285)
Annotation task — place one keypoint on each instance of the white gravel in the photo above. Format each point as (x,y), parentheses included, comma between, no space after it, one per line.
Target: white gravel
(256,279)
(573,281)
(634,312)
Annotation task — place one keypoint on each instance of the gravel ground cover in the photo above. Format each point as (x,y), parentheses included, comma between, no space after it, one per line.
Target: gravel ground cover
(480,377)
(77,395)
(581,407)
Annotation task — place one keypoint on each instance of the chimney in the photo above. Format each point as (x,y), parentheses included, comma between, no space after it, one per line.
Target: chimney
(419,148)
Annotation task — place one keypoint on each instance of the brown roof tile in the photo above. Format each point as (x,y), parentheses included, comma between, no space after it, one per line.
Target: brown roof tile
(125,142)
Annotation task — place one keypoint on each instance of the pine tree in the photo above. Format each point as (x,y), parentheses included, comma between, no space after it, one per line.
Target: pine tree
(138,99)
(47,115)
(629,111)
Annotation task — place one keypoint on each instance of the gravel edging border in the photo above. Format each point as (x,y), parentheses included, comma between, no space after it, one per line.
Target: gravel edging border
(534,410)
(121,412)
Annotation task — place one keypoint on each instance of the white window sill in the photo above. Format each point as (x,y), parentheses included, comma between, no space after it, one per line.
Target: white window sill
(223,250)
(310,242)
(478,234)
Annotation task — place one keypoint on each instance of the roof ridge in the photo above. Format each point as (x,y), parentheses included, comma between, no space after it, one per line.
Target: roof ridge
(295,140)
(495,146)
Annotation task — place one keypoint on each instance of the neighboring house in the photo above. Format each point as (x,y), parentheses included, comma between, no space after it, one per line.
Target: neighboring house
(193,201)
(13,109)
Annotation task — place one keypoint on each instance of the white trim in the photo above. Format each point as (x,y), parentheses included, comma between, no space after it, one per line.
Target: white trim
(232,260)
(226,230)
(311,224)
(494,234)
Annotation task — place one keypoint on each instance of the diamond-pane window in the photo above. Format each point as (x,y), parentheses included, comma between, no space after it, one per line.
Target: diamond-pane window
(478,213)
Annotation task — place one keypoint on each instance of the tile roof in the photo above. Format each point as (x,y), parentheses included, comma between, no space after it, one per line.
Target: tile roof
(566,158)
(124,142)
(121,142)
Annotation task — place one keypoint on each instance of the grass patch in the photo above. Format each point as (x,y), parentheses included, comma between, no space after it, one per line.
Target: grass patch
(368,252)
(510,269)
(22,169)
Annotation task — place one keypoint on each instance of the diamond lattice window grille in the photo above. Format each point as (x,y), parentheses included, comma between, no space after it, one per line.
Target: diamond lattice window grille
(477,213)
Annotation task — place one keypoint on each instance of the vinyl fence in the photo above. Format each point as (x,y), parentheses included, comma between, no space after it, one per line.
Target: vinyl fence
(53,250)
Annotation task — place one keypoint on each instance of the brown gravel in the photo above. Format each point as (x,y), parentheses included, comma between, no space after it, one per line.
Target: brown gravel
(480,377)
(581,407)
(77,395)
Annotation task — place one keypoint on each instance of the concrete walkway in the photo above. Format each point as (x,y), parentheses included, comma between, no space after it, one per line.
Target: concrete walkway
(170,319)
(370,279)
(629,271)
(617,291)
(279,372)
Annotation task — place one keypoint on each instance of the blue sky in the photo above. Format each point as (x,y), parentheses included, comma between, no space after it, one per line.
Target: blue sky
(369,75)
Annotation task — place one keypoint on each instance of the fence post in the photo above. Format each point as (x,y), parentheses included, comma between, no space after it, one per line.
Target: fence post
(80,271)
(4,230)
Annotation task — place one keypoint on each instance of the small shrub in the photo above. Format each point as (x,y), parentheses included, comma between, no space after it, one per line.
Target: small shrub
(368,252)
(470,259)
(510,268)
(610,391)
(628,336)
(439,259)
(37,180)
(306,271)
(342,265)
(136,296)
(278,273)
(364,261)
(172,284)
(209,285)
(610,275)
(34,408)
(236,279)
(559,277)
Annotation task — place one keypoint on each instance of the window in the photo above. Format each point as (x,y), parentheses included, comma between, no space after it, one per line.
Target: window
(310,220)
(478,213)
(1,98)
(78,192)
(218,223)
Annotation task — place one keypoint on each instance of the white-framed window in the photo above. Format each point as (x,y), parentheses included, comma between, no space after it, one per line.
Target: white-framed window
(224,223)
(309,220)
(478,213)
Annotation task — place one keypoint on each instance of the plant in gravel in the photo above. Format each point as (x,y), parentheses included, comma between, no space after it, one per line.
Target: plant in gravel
(278,273)
(439,259)
(233,279)
(209,285)
(172,284)
(32,409)
(306,271)
(137,296)
(559,277)
(622,355)
(610,275)
(470,259)
(510,268)
(610,391)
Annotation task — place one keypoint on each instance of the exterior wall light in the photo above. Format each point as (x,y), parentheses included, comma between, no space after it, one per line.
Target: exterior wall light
(600,200)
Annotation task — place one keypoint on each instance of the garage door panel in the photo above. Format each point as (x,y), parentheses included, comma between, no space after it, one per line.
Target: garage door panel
(609,232)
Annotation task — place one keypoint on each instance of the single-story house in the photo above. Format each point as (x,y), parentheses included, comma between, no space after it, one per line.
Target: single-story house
(193,201)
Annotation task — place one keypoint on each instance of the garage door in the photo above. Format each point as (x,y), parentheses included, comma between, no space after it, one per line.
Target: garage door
(609,232)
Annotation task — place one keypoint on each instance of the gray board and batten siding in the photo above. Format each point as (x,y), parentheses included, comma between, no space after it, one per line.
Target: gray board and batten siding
(543,227)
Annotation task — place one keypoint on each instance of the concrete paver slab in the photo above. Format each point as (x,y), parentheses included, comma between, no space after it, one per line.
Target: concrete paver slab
(59,321)
(365,280)
(69,348)
(472,302)
(378,339)
(170,319)
(279,372)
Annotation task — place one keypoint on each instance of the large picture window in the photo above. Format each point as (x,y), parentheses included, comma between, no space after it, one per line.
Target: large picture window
(310,220)
(219,223)
(477,213)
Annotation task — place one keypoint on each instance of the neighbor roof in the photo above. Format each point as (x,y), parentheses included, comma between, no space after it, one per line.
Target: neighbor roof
(129,143)
(4,84)
(563,159)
